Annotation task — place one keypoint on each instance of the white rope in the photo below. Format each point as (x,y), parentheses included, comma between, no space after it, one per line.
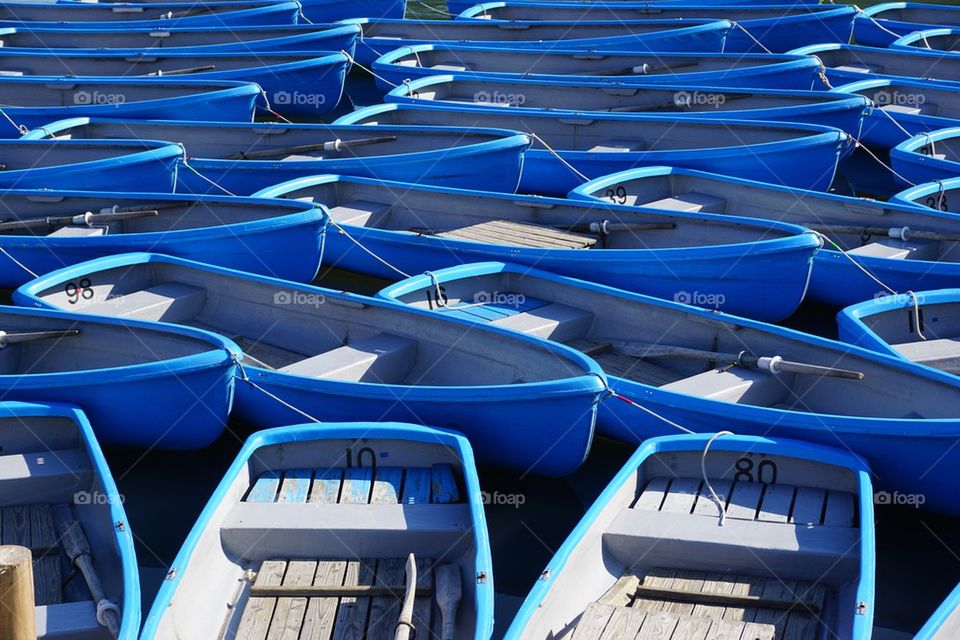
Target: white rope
(270,110)
(856,264)
(373,73)
(371,253)
(18,263)
(916,314)
(245,378)
(883,164)
(706,481)
(892,119)
(19,127)
(751,36)
(438,292)
(558,156)
(874,21)
(188,166)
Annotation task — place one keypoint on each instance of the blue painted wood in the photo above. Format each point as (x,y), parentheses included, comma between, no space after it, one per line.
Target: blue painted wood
(265,488)
(326,486)
(356,485)
(295,486)
(386,485)
(416,487)
(444,484)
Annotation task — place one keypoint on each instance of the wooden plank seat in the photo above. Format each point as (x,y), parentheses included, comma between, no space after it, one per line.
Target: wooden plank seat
(344,598)
(766,527)
(942,353)
(384,358)
(167,301)
(521,234)
(615,363)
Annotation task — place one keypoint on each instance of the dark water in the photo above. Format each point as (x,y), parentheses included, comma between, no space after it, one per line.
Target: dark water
(918,559)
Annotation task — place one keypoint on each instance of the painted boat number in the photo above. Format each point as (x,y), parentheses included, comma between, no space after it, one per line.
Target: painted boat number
(617,195)
(79,290)
(745,471)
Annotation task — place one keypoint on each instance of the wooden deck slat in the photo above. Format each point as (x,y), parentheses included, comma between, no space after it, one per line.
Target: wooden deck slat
(593,621)
(621,593)
(326,486)
(652,496)
(744,500)
(776,503)
(356,485)
(295,486)
(255,620)
(635,369)
(658,625)
(705,505)
(692,628)
(689,581)
(808,506)
(322,612)
(385,611)
(656,579)
(416,487)
(352,613)
(715,583)
(443,485)
(423,605)
(725,630)
(288,613)
(774,589)
(265,488)
(386,485)
(46,570)
(840,509)
(757,631)
(624,623)
(743,587)
(518,233)
(800,626)
(681,496)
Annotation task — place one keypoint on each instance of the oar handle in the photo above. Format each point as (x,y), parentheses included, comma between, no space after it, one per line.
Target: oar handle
(33,336)
(184,71)
(331,145)
(903,233)
(776,364)
(606,227)
(338,144)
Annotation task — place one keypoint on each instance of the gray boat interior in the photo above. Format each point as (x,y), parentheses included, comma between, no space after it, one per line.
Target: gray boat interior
(872,60)
(96,346)
(561,225)
(131,64)
(65,94)
(143,38)
(920,13)
(21,157)
(610,11)
(946,42)
(785,564)
(157,216)
(911,100)
(615,99)
(458,31)
(314,333)
(614,331)
(841,219)
(933,341)
(609,135)
(45,467)
(586,63)
(106,12)
(299,515)
(292,143)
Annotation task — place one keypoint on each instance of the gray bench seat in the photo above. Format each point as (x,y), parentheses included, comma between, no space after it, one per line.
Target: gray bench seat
(745,386)
(555,321)
(898,249)
(168,301)
(943,353)
(381,358)
(46,476)
(689,201)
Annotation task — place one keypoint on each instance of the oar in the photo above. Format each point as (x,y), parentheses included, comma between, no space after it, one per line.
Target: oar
(184,71)
(605,226)
(77,548)
(448,598)
(87,219)
(405,623)
(33,336)
(640,69)
(332,145)
(772,364)
(898,233)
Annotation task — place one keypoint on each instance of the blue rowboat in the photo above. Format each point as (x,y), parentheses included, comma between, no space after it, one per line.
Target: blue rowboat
(698,368)
(779,28)
(903,108)
(945,40)
(927,157)
(382,36)
(45,230)
(944,624)
(791,511)
(921,327)
(570,148)
(598,67)
(861,226)
(56,480)
(319,11)
(457,7)
(142,384)
(336,500)
(881,24)
(331,354)
(289,37)
(939,195)
(844,63)
(33,102)
(86,15)
(754,268)
(295,83)
(109,165)
(844,112)
(237,158)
